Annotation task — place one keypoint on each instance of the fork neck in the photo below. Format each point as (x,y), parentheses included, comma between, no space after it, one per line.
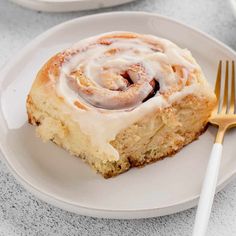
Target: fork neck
(220,134)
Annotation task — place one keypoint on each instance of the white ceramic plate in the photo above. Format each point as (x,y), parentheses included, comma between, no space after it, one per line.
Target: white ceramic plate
(53,175)
(68,5)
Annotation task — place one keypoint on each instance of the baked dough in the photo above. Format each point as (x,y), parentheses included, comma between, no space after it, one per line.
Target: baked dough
(120,100)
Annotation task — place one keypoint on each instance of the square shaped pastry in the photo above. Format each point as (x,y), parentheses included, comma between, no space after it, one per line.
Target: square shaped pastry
(120,100)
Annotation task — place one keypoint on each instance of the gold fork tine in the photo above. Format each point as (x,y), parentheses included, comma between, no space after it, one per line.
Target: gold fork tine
(232,97)
(217,87)
(225,101)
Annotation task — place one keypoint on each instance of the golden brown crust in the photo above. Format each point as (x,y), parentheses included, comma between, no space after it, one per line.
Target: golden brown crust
(31,118)
(52,66)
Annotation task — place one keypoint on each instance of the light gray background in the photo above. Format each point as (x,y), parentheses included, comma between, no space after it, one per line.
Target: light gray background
(22,214)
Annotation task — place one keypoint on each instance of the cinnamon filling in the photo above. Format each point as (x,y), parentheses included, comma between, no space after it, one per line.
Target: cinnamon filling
(156,87)
(126,76)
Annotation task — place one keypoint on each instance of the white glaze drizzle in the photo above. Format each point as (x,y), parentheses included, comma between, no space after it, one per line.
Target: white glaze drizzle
(102,125)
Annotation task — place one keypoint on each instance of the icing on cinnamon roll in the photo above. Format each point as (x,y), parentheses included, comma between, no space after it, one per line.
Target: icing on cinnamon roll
(120,77)
(122,70)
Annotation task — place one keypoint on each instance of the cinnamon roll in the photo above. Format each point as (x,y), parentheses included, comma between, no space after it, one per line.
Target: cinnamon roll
(120,100)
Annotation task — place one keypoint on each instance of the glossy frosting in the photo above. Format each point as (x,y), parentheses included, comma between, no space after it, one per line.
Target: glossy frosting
(107,79)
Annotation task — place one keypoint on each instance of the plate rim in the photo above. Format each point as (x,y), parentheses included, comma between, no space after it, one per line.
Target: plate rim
(59,5)
(90,211)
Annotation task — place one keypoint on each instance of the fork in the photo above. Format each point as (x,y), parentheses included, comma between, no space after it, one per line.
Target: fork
(225,118)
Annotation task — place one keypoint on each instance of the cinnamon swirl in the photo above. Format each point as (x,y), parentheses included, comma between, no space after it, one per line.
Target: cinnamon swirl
(120,100)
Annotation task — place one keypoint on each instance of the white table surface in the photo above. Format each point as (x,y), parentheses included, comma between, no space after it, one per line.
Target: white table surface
(23,214)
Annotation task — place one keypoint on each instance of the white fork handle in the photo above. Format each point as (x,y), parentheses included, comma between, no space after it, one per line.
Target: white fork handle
(208,191)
